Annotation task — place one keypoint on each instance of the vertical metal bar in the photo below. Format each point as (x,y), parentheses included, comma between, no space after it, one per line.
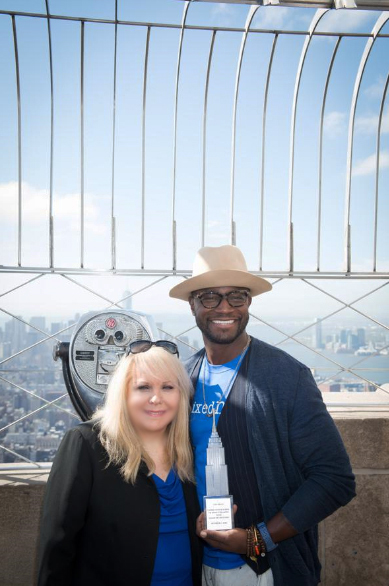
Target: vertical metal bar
(113,220)
(82,211)
(382,19)
(348,247)
(174,226)
(113,242)
(269,69)
(205,136)
(174,237)
(312,27)
(249,19)
(144,146)
(377,173)
(320,174)
(51,219)
(17,73)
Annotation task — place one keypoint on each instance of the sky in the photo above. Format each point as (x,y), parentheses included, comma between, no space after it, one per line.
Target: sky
(55,295)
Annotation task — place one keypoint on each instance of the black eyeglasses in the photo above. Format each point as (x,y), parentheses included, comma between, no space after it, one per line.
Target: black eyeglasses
(211,299)
(139,346)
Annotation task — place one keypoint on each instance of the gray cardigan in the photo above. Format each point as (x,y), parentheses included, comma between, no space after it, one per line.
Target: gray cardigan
(300,462)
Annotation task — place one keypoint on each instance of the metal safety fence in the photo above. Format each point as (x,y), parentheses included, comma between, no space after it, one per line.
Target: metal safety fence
(173,183)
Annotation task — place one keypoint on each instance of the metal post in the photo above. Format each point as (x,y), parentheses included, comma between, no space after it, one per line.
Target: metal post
(249,20)
(113,219)
(377,172)
(312,27)
(51,218)
(144,147)
(323,106)
(381,21)
(20,203)
(262,196)
(205,137)
(82,203)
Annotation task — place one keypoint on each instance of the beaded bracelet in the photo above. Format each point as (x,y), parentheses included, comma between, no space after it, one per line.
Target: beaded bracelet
(255,545)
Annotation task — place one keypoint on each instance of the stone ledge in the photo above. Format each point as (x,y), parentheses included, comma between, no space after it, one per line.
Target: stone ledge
(353,542)
(20,508)
(366,440)
(355,539)
(25,478)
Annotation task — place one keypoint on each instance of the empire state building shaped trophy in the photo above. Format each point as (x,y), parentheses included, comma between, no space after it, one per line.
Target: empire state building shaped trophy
(217,502)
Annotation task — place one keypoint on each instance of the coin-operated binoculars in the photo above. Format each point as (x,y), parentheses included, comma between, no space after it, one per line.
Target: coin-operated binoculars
(96,346)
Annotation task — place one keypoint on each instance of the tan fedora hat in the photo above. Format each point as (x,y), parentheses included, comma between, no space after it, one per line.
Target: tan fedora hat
(220,266)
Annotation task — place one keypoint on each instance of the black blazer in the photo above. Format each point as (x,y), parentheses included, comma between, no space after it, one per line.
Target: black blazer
(98,529)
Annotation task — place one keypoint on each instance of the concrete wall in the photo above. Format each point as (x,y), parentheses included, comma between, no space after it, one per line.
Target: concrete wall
(354,542)
(20,505)
(354,546)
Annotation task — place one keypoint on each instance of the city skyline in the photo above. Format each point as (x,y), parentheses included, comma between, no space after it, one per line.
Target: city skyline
(19,337)
(35,379)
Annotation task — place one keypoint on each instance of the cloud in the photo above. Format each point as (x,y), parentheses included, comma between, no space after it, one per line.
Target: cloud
(224,14)
(334,123)
(368,166)
(271,17)
(222,8)
(385,121)
(67,224)
(344,21)
(36,205)
(375,90)
(369,124)
(217,232)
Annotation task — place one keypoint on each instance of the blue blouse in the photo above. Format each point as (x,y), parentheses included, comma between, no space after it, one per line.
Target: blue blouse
(173,563)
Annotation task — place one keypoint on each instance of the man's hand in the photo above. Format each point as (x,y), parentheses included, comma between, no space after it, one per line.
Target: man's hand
(233,540)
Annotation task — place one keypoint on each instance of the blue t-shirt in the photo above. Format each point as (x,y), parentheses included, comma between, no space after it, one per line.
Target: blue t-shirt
(173,562)
(218,382)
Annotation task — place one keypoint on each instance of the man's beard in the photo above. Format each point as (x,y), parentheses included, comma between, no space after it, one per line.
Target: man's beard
(222,337)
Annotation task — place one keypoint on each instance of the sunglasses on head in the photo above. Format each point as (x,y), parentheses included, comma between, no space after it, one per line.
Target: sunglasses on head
(139,346)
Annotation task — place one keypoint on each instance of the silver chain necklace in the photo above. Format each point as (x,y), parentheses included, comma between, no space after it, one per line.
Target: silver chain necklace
(225,394)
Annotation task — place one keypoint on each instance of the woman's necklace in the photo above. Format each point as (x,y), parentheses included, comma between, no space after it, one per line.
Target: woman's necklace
(225,394)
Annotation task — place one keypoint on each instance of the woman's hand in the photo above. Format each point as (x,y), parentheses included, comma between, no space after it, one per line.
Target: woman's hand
(233,540)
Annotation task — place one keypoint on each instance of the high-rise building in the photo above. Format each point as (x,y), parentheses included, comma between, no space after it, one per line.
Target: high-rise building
(352,341)
(128,302)
(55,327)
(161,332)
(317,339)
(361,337)
(343,336)
(39,322)
(15,332)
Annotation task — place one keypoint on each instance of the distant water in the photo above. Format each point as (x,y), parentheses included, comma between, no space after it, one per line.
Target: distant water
(374,368)
(371,366)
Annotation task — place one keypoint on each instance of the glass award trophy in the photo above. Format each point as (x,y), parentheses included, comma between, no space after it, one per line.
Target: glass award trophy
(217,502)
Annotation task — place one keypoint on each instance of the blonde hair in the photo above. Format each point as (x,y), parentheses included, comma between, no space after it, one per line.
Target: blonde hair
(116,431)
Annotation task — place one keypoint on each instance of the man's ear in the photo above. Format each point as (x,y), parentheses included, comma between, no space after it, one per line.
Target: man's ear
(249,300)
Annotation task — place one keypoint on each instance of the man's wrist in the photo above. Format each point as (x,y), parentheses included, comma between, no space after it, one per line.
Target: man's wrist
(269,543)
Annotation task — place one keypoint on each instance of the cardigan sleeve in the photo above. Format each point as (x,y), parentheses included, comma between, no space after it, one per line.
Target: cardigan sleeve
(64,510)
(318,451)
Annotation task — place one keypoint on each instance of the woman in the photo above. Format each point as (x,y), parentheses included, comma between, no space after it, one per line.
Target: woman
(120,506)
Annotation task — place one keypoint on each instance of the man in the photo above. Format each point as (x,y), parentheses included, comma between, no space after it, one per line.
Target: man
(287,466)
